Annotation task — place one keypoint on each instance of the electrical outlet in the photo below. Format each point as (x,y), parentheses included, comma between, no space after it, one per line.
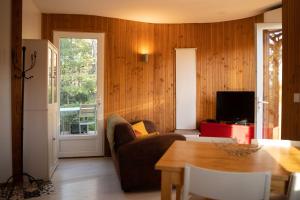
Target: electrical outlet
(296,97)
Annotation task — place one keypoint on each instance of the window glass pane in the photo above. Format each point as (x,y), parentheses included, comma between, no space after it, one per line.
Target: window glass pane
(272,83)
(54,76)
(78,65)
(49,76)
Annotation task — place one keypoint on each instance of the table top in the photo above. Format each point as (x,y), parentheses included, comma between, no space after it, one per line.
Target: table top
(281,161)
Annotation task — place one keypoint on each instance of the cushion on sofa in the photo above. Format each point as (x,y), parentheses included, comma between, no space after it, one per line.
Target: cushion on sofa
(139,129)
(149,125)
(123,134)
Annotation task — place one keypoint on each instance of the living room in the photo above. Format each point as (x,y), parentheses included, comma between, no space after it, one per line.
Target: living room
(138,45)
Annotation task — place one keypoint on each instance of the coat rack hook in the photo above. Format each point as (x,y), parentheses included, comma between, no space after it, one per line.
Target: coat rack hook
(32,64)
(33,61)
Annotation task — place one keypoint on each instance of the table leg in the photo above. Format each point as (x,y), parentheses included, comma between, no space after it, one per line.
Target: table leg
(166,185)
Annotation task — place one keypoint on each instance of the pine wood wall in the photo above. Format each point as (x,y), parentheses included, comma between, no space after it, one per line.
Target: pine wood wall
(291,70)
(137,90)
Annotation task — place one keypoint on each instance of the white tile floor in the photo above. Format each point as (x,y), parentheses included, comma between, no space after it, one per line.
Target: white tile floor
(91,179)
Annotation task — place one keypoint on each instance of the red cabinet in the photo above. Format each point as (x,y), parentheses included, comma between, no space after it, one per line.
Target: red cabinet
(243,133)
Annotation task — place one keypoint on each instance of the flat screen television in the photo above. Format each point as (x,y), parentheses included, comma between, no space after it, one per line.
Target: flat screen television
(235,106)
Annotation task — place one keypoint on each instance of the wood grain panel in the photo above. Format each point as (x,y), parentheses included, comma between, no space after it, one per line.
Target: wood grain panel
(16,85)
(291,70)
(137,90)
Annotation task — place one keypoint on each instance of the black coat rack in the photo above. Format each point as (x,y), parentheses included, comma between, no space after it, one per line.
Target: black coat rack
(23,76)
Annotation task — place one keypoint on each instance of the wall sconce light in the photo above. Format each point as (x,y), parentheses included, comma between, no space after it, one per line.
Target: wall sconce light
(145,57)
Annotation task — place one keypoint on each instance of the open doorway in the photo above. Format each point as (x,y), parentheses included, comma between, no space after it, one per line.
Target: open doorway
(81,93)
(269,81)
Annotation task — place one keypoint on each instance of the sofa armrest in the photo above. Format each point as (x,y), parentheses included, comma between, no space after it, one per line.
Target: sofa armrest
(137,159)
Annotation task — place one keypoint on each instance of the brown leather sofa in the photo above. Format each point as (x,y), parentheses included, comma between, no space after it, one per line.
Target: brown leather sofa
(134,158)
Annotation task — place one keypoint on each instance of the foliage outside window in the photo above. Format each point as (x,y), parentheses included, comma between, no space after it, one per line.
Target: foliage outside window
(78,65)
(78,71)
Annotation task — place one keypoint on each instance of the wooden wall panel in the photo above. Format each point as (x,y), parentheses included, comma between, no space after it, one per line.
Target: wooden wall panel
(291,70)
(137,90)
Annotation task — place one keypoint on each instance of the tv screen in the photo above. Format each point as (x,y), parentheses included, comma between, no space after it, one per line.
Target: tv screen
(235,106)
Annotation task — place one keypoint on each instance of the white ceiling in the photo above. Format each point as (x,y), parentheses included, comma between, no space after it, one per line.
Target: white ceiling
(161,11)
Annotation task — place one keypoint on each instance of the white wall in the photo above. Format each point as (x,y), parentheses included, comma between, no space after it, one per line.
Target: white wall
(32,19)
(5,86)
(273,16)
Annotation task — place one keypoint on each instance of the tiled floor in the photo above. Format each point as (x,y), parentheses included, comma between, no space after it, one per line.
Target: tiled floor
(91,179)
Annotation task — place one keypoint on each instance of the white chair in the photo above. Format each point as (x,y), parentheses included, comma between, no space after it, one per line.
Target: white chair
(294,184)
(293,192)
(212,139)
(294,187)
(225,185)
(87,117)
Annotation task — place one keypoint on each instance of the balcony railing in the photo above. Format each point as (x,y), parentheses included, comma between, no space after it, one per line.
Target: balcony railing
(78,120)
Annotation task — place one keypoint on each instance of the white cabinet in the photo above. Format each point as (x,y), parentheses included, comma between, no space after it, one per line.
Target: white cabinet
(41,124)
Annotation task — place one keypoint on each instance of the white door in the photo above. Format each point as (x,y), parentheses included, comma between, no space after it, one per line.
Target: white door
(53,116)
(269,80)
(81,58)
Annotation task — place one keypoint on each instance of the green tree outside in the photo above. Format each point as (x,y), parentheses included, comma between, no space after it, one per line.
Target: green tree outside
(78,71)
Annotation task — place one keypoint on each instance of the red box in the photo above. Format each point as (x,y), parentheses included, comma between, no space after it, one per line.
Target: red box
(243,133)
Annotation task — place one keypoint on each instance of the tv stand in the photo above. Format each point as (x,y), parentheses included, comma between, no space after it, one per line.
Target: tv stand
(243,133)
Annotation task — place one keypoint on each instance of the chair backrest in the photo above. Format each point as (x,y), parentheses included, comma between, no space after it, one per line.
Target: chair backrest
(87,110)
(225,185)
(212,139)
(294,187)
(270,142)
(294,184)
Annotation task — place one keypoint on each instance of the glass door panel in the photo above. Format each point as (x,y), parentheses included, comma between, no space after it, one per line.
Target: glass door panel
(49,76)
(272,83)
(78,90)
(54,76)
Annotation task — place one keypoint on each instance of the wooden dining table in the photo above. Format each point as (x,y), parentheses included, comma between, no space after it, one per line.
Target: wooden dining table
(281,161)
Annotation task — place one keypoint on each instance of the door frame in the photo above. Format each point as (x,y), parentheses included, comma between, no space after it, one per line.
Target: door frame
(259,101)
(65,141)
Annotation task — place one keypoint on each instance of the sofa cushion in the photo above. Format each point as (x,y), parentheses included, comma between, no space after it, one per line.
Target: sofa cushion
(149,125)
(139,129)
(123,134)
